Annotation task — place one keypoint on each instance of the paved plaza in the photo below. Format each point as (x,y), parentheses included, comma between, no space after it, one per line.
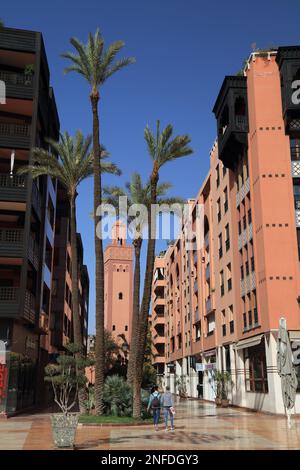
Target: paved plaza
(199,426)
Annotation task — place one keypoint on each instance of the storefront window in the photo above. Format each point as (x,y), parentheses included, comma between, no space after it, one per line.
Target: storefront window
(256,369)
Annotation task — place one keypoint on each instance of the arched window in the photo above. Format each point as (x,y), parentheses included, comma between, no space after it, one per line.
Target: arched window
(120,295)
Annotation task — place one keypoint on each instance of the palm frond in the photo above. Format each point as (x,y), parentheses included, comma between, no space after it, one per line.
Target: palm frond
(94,63)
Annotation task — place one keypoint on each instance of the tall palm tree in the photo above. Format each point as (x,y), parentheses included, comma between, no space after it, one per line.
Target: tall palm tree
(70,161)
(137,193)
(162,149)
(96,65)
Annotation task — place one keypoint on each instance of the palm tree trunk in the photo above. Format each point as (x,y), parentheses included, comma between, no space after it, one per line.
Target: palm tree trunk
(77,327)
(135,311)
(144,312)
(99,268)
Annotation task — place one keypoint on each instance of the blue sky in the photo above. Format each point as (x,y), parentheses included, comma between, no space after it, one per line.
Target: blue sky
(183,50)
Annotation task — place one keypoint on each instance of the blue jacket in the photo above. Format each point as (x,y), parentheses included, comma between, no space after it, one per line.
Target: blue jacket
(151,398)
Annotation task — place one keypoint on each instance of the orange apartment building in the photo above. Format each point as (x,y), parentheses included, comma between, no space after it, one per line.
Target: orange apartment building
(224,299)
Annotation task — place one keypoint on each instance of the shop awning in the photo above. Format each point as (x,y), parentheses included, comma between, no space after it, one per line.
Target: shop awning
(249,342)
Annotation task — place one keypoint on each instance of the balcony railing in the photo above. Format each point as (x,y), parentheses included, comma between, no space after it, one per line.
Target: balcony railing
(11,242)
(10,303)
(242,193)
(12,181)
(11,129)
(33,251)
(36,199)
(15,78)
(241,123)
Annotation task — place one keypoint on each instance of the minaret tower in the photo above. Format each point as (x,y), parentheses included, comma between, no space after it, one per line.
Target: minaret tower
(118,284)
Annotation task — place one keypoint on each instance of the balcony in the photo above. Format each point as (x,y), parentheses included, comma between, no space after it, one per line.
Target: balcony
(231,111)
(33,252)
(17,85)
(10,304)
(158,339)
(242,193)
(209,305)
(15,136)
(197,316)
(158,302)
(295,169)
(36,200)
(11,243)
(12,188)
(207,272)
(206,241)
(18,40)
(288,60)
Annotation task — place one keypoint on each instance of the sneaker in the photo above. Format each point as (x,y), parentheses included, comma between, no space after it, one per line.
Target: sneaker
(172,429)
(167,429)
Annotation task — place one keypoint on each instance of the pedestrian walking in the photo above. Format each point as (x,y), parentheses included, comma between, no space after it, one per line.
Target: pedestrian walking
(168,407)
(154,405)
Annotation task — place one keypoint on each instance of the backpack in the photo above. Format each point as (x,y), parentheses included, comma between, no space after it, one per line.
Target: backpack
(155,402)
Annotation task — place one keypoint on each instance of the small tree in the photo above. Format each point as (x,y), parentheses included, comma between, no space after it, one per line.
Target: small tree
(66,377)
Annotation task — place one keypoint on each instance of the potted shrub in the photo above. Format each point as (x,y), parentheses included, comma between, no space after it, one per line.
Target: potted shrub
(28,74)
(66,377)
(180,383)
(226,382)
(222,382)
(218,387)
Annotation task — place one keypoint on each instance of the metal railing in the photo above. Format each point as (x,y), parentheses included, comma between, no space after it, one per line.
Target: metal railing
(16,78)
(12,181)
(11,235)
(14,129)
(241,123)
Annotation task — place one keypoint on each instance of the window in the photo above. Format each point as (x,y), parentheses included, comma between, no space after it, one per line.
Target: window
(247,268)
(244,222)
(229,279)
(242,272)
(256,369)
(120,296)
(245,320)
(250,318)
(219,209)
(227,237)
(225,200)
(114,328)
(249,216)
(252,264)
(220,246)
(218,176)
(240,227)
(222,282)
(126,327)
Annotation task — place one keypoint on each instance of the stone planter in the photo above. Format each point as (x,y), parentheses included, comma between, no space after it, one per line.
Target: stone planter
(64,429)
(225,403)
(218,401)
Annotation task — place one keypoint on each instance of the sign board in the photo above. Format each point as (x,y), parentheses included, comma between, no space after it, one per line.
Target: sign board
(201,367)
